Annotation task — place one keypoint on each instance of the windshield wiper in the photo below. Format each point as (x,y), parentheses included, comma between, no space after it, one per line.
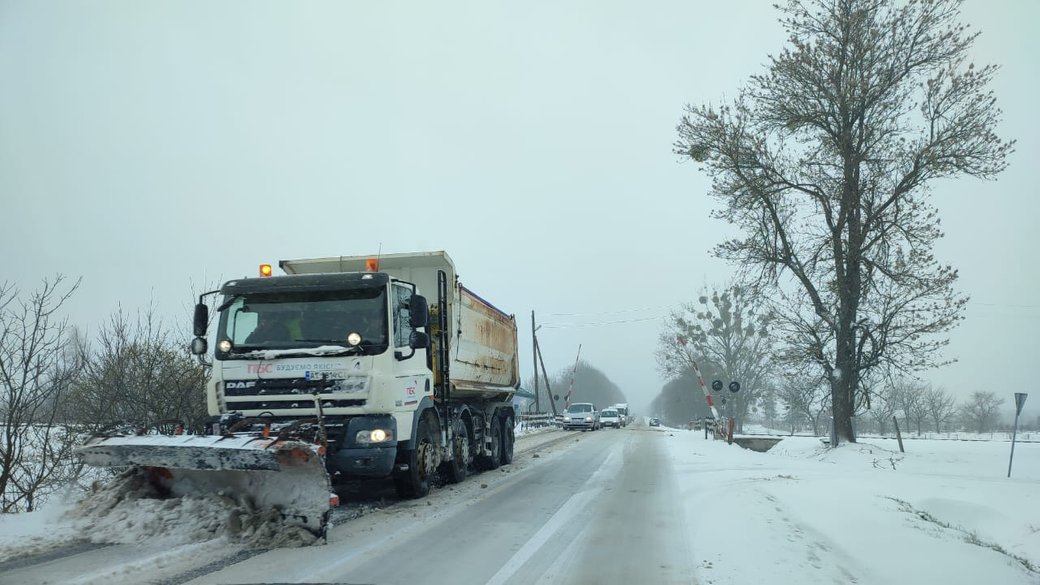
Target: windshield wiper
(275,353)
(360,348)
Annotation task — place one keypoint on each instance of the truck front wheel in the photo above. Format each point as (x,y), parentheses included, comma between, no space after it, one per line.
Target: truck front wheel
(414,482)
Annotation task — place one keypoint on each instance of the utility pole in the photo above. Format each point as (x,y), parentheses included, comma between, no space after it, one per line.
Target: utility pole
(534,359)
(545,374)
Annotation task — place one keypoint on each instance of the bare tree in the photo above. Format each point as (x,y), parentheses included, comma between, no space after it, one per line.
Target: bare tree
(767,401)
(825,163)
(940,407)
(732,332)
(135,371)
(908,397)
(980,411)
(35,372)
(881,410)
(805,397)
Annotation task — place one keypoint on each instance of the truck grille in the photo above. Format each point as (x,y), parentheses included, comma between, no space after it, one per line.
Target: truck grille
(281,386)
(290,403)
(290,394)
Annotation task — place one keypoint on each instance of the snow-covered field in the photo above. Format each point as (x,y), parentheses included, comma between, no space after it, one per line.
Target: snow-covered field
(944,512)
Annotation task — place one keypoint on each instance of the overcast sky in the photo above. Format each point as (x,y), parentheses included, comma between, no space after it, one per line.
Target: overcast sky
(147,146)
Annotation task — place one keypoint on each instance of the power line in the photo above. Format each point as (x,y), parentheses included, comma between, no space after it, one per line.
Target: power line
(598,323)
(618,312)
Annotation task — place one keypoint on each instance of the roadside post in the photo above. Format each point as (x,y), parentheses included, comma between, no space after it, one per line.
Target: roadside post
(1020,401)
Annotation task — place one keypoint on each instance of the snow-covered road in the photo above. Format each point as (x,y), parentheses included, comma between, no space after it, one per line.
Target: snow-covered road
(566,516)
(643,505)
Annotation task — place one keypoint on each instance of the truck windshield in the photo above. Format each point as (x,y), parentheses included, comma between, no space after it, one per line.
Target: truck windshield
(297,320)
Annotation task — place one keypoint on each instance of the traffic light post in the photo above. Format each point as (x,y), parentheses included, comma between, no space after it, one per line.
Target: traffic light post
(734,387)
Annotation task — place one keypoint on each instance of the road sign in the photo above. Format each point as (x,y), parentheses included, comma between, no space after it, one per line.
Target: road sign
(1020,401)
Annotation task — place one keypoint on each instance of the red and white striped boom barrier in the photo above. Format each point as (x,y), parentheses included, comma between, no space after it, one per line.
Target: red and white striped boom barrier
(720,430)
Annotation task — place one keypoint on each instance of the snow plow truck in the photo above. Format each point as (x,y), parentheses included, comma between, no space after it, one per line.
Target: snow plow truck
(344,367)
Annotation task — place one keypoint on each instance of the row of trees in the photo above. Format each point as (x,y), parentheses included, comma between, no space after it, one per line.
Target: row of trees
(824,163)
(727,333)
(918,407)
(58,384)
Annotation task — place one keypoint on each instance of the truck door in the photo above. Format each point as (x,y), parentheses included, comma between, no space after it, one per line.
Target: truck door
(413,373)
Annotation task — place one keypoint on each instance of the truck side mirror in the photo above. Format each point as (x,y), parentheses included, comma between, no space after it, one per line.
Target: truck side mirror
(419,311)
(419,340)
(199,346)
(201,320)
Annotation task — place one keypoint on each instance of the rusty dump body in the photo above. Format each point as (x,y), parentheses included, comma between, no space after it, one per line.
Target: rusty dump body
(483,346)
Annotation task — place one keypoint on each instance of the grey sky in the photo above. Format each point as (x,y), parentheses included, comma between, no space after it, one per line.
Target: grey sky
(149,145)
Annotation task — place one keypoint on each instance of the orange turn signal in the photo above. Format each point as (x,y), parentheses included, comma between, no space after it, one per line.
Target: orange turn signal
(265,270)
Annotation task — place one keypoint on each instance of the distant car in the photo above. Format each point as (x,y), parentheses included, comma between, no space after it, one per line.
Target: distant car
(622,409)
(610,418)
(581,415)
(655,422)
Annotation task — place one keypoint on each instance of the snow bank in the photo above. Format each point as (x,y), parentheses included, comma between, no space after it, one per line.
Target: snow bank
(944,512)
(128,510)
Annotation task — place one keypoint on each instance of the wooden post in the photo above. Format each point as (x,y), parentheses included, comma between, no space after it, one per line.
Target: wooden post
(534,359)
(899,436)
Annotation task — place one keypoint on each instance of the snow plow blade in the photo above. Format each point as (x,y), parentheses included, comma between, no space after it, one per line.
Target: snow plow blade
(264,475)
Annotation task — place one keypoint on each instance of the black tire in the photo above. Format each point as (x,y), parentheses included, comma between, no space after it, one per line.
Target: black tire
(492,461)
(455,470)
(415,482)
(508,439)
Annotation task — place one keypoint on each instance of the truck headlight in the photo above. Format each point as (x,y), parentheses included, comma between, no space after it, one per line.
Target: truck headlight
(369,437)
(588,419)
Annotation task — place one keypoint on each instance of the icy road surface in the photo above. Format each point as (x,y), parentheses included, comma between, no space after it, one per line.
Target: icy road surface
(564,517)
(643,505)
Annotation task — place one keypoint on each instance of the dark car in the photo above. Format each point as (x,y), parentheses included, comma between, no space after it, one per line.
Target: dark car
(655,422)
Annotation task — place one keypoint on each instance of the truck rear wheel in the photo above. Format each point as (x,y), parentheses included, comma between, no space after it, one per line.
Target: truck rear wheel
(455,470)
(415,481)
(492,461)
(508,438)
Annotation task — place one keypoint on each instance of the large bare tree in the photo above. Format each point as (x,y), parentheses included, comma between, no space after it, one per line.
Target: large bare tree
(36,369)
(825,162)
